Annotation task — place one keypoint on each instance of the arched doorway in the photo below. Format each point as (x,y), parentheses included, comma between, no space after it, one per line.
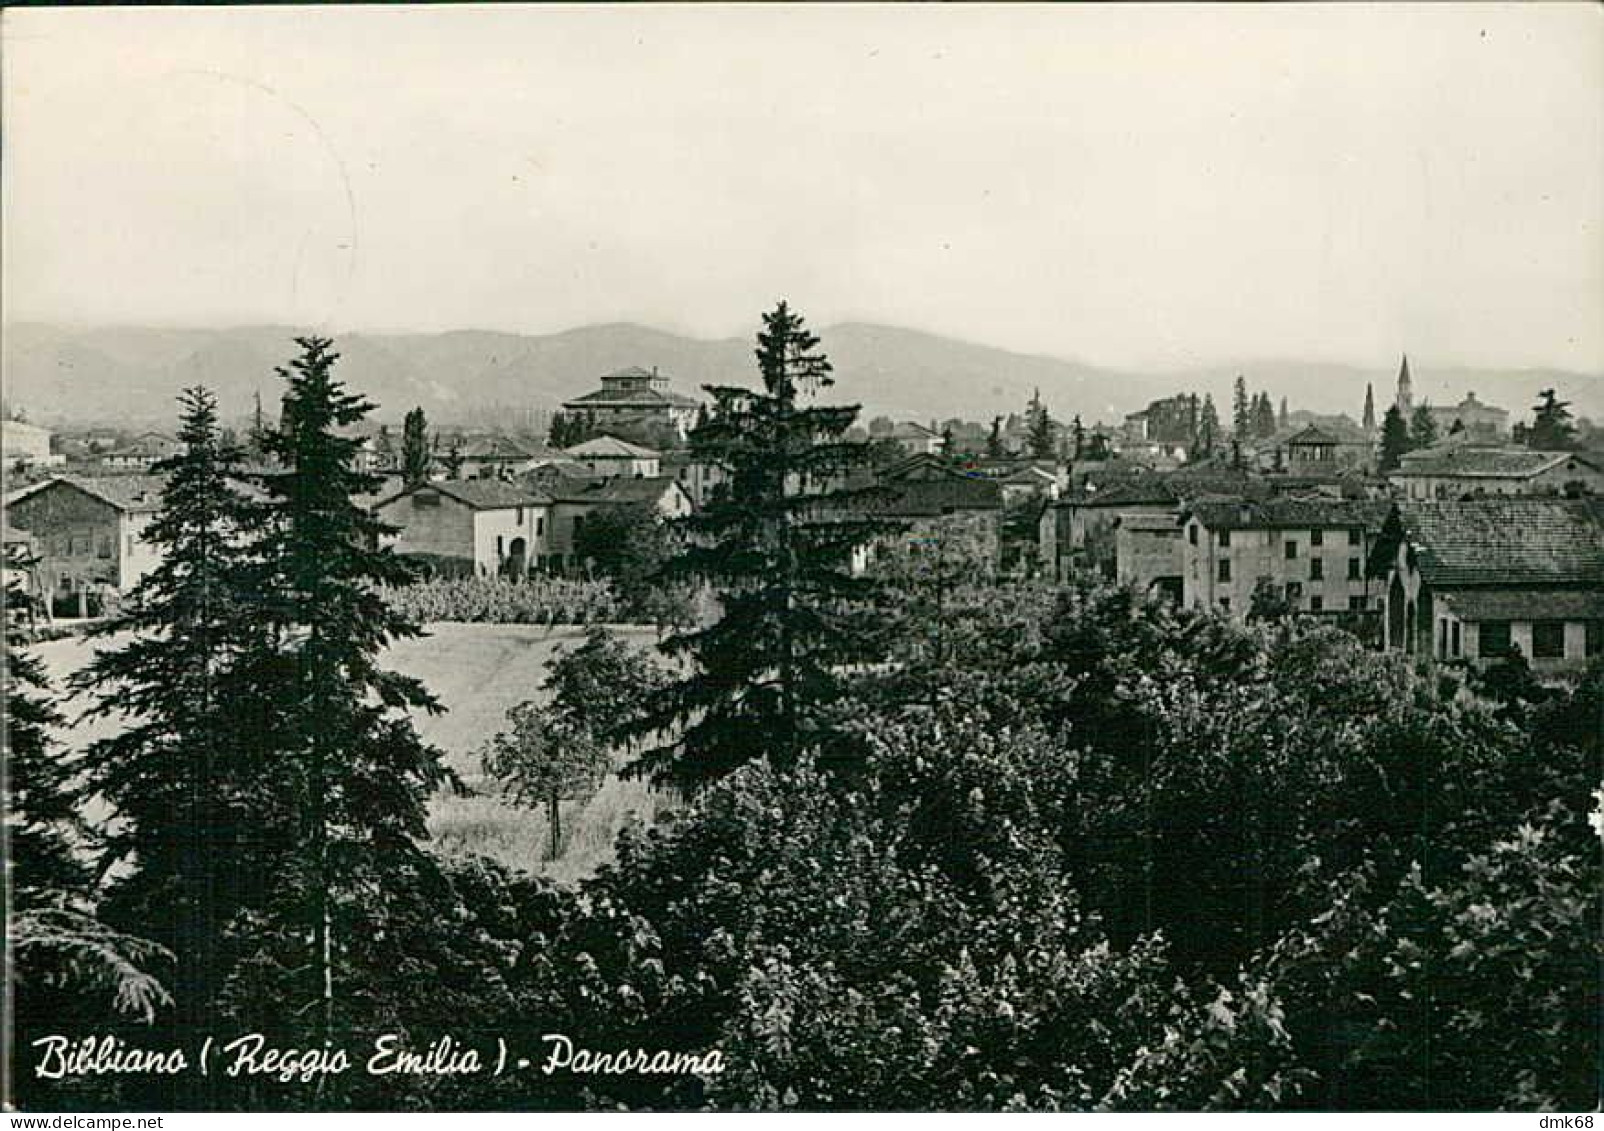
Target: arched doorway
(517,565)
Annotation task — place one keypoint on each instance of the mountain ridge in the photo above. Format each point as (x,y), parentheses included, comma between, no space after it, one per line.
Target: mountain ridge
(99,374)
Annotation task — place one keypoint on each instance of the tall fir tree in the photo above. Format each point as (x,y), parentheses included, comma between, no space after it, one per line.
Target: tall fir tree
(415,455)
(1077,438)
(200,819)
(1041,432)
(1282,418)
(1394,439)
(775,541)
(362,774)
(1208,427)
(1263,417)
(994,440)
(1241,410)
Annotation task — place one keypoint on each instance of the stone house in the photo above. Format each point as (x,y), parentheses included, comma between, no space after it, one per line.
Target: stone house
(1314,551)
(573,501)
(88,535)
(1147,552)
(610,457)
(636,399)
(480,526)
(1466,581)
(1457,470)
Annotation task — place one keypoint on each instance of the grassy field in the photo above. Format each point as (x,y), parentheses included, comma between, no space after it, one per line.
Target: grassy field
(478,671)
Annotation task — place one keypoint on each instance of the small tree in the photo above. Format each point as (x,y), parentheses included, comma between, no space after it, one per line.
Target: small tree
(1552,428)
(545,758)
(1422,428)
(415,455)
(1241,410)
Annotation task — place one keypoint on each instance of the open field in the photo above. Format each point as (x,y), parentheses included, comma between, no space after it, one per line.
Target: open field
(478,671)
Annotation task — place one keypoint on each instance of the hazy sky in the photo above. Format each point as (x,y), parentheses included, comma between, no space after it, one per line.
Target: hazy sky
(1133,186)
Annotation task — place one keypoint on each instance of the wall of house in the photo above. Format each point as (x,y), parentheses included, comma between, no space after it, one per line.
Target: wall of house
(136,556)
(1259,553)
(495,531)
(1144,556)
(79,538)
(442,528)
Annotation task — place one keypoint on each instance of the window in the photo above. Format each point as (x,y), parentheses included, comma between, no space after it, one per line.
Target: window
(1548,640)
(1317,537)
(501,546)
(540,525)
(1225,602)
(1317,569)
(1191,534)
(519,517)
(1594,637)
(1353,537)
(1225,537)
(1356,604)
(1353,569)
(1292,549)
(1442,638)
(1454,639)
(1317,604)
(1225,569)
(1294,592)
(1494,638)
(103,546)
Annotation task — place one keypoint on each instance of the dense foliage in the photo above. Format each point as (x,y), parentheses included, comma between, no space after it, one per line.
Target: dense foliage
(538,599)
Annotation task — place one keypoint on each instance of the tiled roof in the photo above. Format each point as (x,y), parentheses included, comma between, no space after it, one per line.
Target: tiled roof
(620,489)
(480,494)
(646,398)
(1477,463)
(924,498)
(610,447)
(134,494)
(1311,435)
(1290,514)
(1526,604)
(496,447)
(1507,541)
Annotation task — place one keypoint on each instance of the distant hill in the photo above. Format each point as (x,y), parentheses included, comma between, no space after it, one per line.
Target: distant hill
(130,375)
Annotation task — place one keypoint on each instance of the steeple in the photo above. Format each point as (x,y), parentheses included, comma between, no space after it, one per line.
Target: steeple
(1406,394)
(1370,408)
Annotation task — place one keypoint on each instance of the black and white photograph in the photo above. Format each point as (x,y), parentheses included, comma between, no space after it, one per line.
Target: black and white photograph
(802,558)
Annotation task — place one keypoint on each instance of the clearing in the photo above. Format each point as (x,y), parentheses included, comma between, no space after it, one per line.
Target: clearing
(477,671)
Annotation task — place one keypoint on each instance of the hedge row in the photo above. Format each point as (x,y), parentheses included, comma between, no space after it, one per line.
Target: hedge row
(496,600)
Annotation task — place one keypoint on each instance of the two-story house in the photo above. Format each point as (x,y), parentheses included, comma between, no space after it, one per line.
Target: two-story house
(1314,552)
(475,526)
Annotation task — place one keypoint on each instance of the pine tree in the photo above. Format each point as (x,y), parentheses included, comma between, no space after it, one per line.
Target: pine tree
(40,814)
(362,774)
(1077,436)
(1422,428)
(415,456)
(1394,439)
(1208,426)
(1040,429)
(1551,428)
(775,542)
(994,440)
(1263,417)
(1241,410)
(1282,419)
(197,813)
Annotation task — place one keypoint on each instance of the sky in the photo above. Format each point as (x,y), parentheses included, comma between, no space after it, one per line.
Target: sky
(1139,185)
